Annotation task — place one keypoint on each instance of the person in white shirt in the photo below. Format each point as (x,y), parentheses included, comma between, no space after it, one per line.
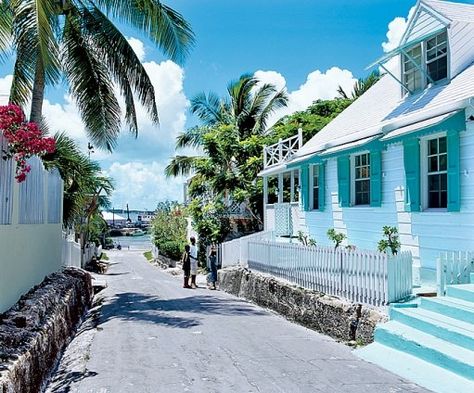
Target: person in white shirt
(193,254)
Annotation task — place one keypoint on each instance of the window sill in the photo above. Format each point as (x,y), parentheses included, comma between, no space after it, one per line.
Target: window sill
(435,210)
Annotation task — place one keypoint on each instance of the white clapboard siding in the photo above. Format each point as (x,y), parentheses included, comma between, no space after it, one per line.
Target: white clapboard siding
(32,194)
(55,193)
(356,275)
(6,185)
(454,268)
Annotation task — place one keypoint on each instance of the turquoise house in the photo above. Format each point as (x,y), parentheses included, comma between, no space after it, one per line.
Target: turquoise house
(401,155)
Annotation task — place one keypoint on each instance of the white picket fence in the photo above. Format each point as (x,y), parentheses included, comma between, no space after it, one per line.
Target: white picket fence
(235,252)
(454,268)
(356,275)
(71,252)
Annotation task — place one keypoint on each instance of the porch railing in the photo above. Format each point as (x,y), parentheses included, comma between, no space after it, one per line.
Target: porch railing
(356,275)
(453,268)
(282,151)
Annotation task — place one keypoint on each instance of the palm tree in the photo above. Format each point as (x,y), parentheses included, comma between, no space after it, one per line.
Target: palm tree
(247,108)
(75,39)
(361,86)
(226,135)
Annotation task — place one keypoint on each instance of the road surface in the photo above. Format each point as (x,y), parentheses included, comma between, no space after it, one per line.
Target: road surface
(151,335)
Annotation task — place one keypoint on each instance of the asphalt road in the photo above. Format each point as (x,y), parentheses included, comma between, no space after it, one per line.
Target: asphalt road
(151,335)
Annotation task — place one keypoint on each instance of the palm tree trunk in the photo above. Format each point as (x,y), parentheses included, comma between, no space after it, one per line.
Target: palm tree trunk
(36,113)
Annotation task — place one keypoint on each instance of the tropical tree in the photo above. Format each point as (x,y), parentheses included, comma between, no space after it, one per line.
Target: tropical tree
(78,41)
(361,86)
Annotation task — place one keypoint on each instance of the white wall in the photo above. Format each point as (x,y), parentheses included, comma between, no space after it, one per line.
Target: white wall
(461,42)
(426,234)
(28,253)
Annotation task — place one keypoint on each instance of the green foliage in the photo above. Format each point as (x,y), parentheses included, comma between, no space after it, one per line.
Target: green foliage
(336,237)
(361,86)
(148,255)
(391,241)
(104,257)
(305,239)
(169,231)
(172,249)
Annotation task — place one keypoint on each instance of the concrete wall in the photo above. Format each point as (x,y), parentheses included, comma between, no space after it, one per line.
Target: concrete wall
(28,252)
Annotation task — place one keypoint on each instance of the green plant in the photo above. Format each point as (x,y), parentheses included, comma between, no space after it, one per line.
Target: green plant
(172,249)
(148,255)
(391,243)
(336,237)
(104,257)
(305,239)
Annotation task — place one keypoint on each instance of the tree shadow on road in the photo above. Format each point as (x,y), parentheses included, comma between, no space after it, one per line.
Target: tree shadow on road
(139,307)
(63,381)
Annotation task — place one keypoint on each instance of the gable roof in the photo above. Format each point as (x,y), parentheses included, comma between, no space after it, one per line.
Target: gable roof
(453,11)
(380,111)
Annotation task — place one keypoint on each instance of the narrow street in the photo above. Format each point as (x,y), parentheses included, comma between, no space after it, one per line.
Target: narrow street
(151,335)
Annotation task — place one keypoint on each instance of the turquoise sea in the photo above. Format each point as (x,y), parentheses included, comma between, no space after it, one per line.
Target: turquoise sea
(134,242)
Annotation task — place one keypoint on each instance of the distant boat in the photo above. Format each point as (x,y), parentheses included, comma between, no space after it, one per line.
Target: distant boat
(138,232)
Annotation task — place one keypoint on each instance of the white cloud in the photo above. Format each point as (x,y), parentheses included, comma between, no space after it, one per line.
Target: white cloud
(318,85)
(142,185)
(396,29)
(138,47)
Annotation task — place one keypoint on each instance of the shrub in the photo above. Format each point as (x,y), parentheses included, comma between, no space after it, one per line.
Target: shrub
(336,237)
(305,239)
(391,242)
(172,249)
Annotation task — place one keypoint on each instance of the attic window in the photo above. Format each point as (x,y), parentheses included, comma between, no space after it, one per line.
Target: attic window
(437,57)
(425,63)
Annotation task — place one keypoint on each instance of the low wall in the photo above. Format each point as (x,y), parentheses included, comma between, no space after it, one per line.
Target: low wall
(332,316)
(36,329)
(28,253)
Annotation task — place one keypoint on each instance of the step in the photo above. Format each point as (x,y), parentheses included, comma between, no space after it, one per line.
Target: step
(450,306)
(471,276)
(427,347)
(449,329)
(462,291)
(414,369)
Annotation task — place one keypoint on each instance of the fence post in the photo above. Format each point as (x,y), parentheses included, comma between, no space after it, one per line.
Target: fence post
(440,276)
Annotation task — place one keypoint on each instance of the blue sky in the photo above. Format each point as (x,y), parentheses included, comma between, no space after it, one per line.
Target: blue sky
(307,46)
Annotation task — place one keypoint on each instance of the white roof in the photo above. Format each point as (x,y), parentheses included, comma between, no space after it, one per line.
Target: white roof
(452,11)
(380,109)
(421,125)
(109,216)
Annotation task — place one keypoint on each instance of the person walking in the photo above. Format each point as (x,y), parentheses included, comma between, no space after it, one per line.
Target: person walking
(186,260)
(212,265)
(193,254)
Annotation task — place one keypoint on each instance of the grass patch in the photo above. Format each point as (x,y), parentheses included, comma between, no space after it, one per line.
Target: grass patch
(104,257)
(148,255)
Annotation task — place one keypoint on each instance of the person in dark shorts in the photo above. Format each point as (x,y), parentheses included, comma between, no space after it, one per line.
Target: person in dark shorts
(186,261)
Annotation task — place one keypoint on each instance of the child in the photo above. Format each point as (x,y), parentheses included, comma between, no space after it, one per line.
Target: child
(213,266)
(186,265)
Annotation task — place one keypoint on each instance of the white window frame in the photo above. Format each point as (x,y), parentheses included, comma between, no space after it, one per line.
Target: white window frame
(424,172)
(353,179)
(311,186)
(424,74)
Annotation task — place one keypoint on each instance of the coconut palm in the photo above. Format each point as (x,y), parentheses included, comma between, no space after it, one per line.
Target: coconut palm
(77,40)
(361,86)
(246,109)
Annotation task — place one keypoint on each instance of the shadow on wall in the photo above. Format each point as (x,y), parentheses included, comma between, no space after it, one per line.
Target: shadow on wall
(151,309)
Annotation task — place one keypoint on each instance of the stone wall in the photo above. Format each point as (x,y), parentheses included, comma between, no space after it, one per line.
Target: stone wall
(36,329)
(332,316)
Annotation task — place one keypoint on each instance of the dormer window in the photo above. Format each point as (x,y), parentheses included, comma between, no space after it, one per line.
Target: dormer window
(437,57)
(425,63)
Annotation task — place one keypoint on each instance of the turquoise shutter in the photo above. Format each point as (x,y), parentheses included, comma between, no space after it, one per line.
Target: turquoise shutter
(344,180)
(411,158)
(454,181)
(305,187)
(376,178)
(322,186)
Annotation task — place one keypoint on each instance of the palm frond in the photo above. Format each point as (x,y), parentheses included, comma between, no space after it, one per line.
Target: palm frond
(164,26)
(209,108)
(91,87)
(6,22)
(181,166)
(123,64)
(192,137)
(342,93)
(277,101)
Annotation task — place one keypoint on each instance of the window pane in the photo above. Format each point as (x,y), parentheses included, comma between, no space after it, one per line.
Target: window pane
(443,182)
(433,164)
(438,69)
(433,200)
(444,199)
(316,198)
(433,183)
(357,161)
(432,147)
(442,145)
(296,190)
(443,162)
